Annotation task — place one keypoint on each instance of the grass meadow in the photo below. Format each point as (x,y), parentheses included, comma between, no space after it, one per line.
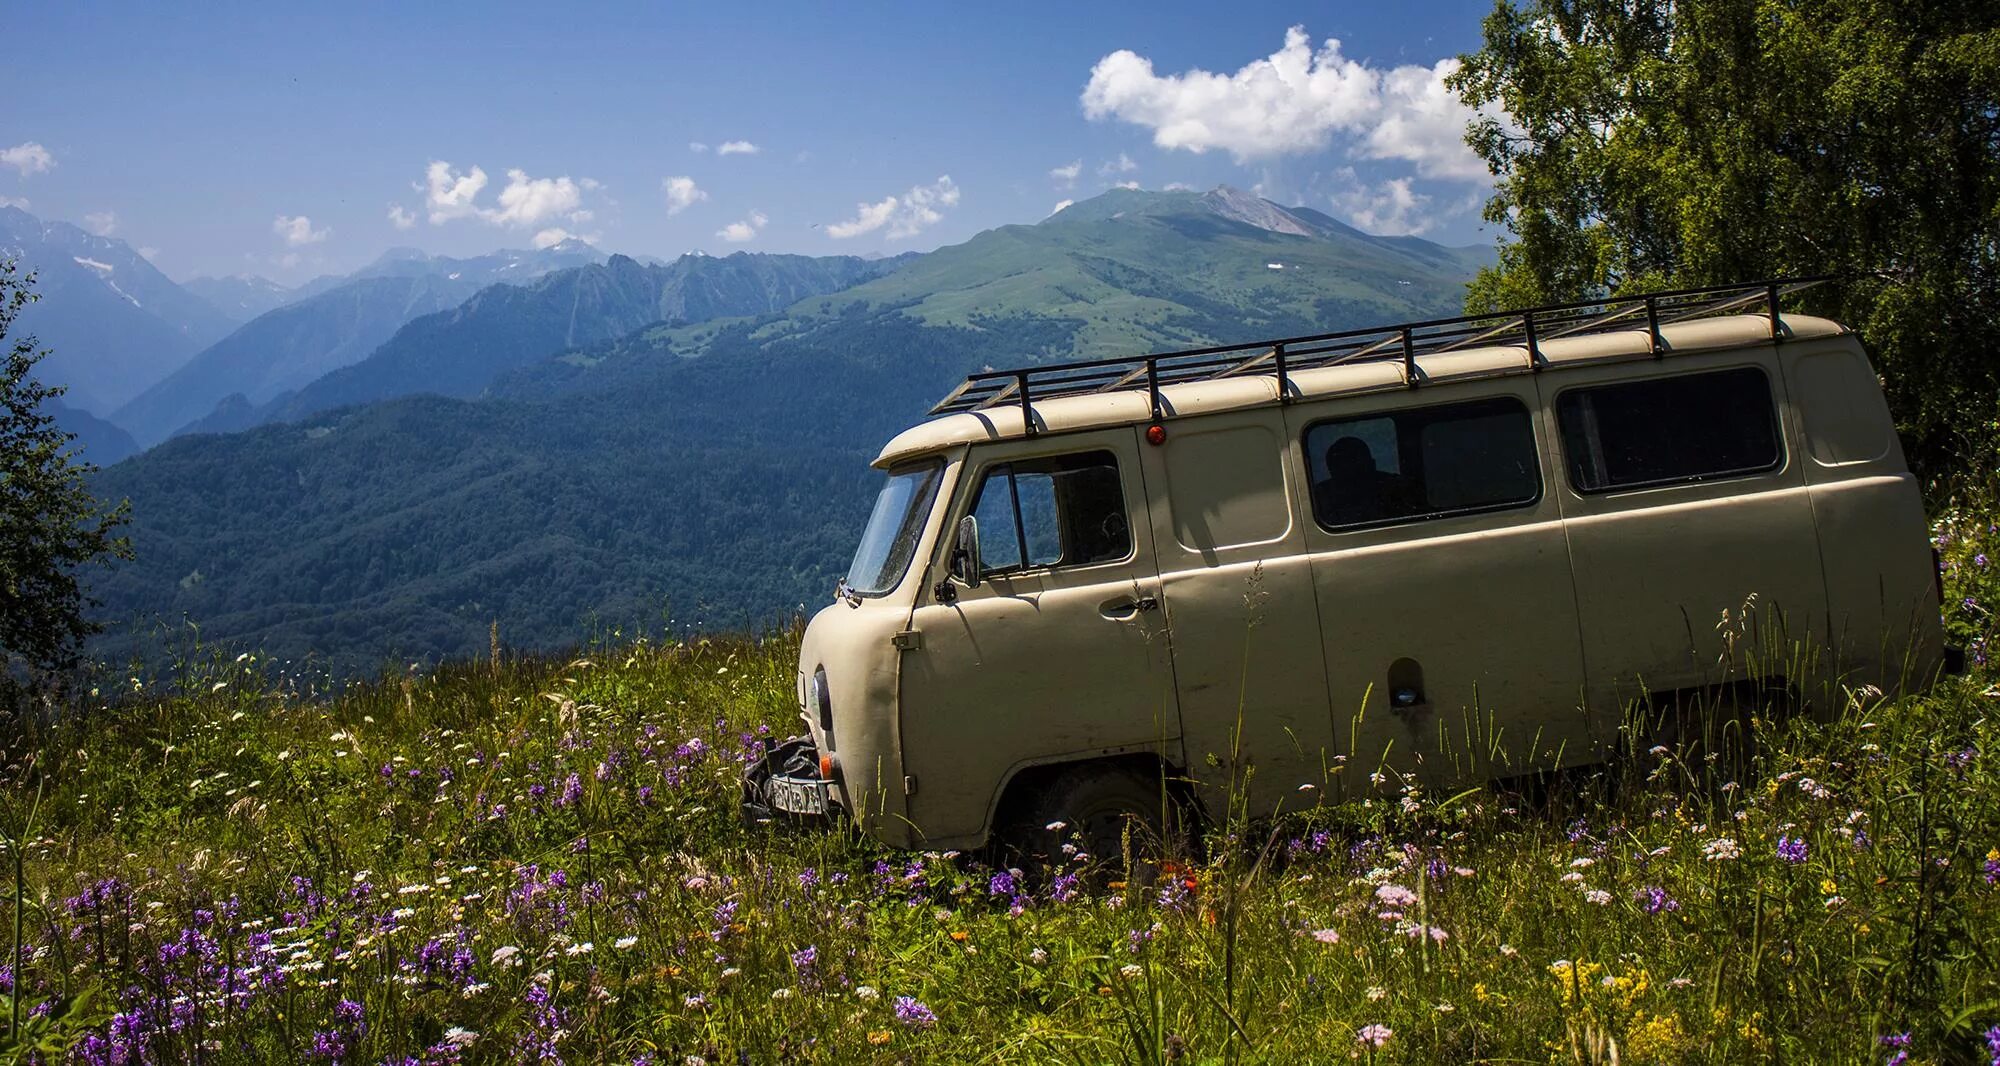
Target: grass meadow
(539,860)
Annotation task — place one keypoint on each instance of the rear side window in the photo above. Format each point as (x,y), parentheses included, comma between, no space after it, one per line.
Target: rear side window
(1066,510)
(1423,462)
(1665,431)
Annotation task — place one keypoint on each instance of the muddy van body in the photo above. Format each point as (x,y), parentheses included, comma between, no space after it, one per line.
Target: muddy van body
(1443,552)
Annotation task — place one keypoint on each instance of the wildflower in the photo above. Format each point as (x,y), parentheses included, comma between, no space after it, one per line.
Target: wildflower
(624,943)
(1130,971)
(782,993)
(1373,1036)
(1657,901)
(459,1038)
(1326,936)
(880,1037)
(1597,896)
(1039,956)
(1376,994)
(1901,1043)
(913,1014)
(1395,895)
(584,948)
(1993,866)
(804,958)
(1721,849)
(866,993)
(1001,884)
(1791,849)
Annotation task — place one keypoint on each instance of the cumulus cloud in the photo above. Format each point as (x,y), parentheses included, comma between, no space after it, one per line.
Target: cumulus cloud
(905,215)
(298,231)
(527,201)
(401,217)
(149,253)
(552,236)
(682,193)
(1126,185)
(524,202)
(27,157)
(13,201)
(1291,102)
(1057,209)
(697,147)
(1066,174)
(738,232)
(1121,165)
(1391,209)
(450,194)
(102,223)
(737,148)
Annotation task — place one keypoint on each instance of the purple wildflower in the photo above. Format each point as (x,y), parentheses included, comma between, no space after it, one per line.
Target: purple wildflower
(1792,849)
(1657,901)
(914,1014)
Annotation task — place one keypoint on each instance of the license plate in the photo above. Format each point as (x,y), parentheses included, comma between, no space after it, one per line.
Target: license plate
(794,796)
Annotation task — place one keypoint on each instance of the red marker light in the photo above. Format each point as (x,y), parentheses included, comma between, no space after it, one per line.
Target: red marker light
(826,767)
(1156,435)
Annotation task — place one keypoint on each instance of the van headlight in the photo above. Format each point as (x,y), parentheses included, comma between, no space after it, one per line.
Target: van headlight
(822,703)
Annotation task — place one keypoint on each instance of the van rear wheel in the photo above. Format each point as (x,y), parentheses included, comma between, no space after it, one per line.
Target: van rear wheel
(1125,821)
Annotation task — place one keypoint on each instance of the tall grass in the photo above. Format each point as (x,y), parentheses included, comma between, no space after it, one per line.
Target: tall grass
(525,859)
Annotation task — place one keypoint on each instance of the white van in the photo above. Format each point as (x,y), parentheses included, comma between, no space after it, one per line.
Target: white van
(1449,551)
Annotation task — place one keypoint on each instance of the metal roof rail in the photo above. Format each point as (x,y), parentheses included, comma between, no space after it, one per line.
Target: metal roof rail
(1408,343)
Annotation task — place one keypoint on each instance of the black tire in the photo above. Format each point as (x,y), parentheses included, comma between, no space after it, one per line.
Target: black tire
(1126,821)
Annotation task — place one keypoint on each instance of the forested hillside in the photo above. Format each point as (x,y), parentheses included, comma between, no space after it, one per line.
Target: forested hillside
(679,475)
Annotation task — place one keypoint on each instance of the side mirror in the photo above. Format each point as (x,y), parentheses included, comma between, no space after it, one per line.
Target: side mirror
(965,553)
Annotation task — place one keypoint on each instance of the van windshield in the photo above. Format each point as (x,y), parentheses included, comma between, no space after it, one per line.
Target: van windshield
(891,536)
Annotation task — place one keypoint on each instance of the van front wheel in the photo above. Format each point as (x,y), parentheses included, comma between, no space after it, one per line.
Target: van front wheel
(1126,821)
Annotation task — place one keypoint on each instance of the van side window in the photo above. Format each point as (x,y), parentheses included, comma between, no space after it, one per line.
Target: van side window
(1423,462)
(1662,431)
(1066,510)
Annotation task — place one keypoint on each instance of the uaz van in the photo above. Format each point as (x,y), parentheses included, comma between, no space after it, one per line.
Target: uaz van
(1440,552)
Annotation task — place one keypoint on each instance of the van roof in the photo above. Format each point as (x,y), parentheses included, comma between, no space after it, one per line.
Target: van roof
(1132,406)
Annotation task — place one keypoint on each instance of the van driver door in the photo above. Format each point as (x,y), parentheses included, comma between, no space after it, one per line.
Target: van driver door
(1059,652)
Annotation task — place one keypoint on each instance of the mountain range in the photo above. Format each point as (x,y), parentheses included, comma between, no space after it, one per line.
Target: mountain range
(113,322)
(677,445)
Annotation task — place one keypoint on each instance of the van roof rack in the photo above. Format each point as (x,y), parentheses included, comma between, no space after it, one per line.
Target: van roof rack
(1407,342)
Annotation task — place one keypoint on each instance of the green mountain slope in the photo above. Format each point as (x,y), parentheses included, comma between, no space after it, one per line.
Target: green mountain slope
(712,474)
(460,352)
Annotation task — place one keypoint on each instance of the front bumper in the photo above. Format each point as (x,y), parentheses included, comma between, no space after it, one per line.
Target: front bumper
(784,785)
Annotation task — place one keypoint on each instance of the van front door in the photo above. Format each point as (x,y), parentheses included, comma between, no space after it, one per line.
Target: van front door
(1059,652)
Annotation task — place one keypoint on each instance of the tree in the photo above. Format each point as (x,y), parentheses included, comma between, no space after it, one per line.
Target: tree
(50,525)
(1661,143)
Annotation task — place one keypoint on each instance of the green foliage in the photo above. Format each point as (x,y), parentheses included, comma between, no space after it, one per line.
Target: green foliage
(50,526)
(541,856)
(1656,145)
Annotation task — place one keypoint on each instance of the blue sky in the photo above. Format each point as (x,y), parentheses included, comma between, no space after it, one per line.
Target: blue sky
(260,139)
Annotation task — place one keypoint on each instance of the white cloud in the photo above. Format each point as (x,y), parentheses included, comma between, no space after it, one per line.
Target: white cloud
(13,201)
(102,223)
(1126,185)
(1177,186)
(1057,209)
(682,193)
(552,236)
(450,194)
(1121,165)
(737,148)
(738,232)
(27,157)
(1391,209)
(524,202)
(298,231)
(1066,174)
(149,253)
(697,147)
(1291,102)
(402,217)
(530,201)
(905,215)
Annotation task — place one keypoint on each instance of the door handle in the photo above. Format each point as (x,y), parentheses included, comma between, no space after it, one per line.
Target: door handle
(1125,608)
